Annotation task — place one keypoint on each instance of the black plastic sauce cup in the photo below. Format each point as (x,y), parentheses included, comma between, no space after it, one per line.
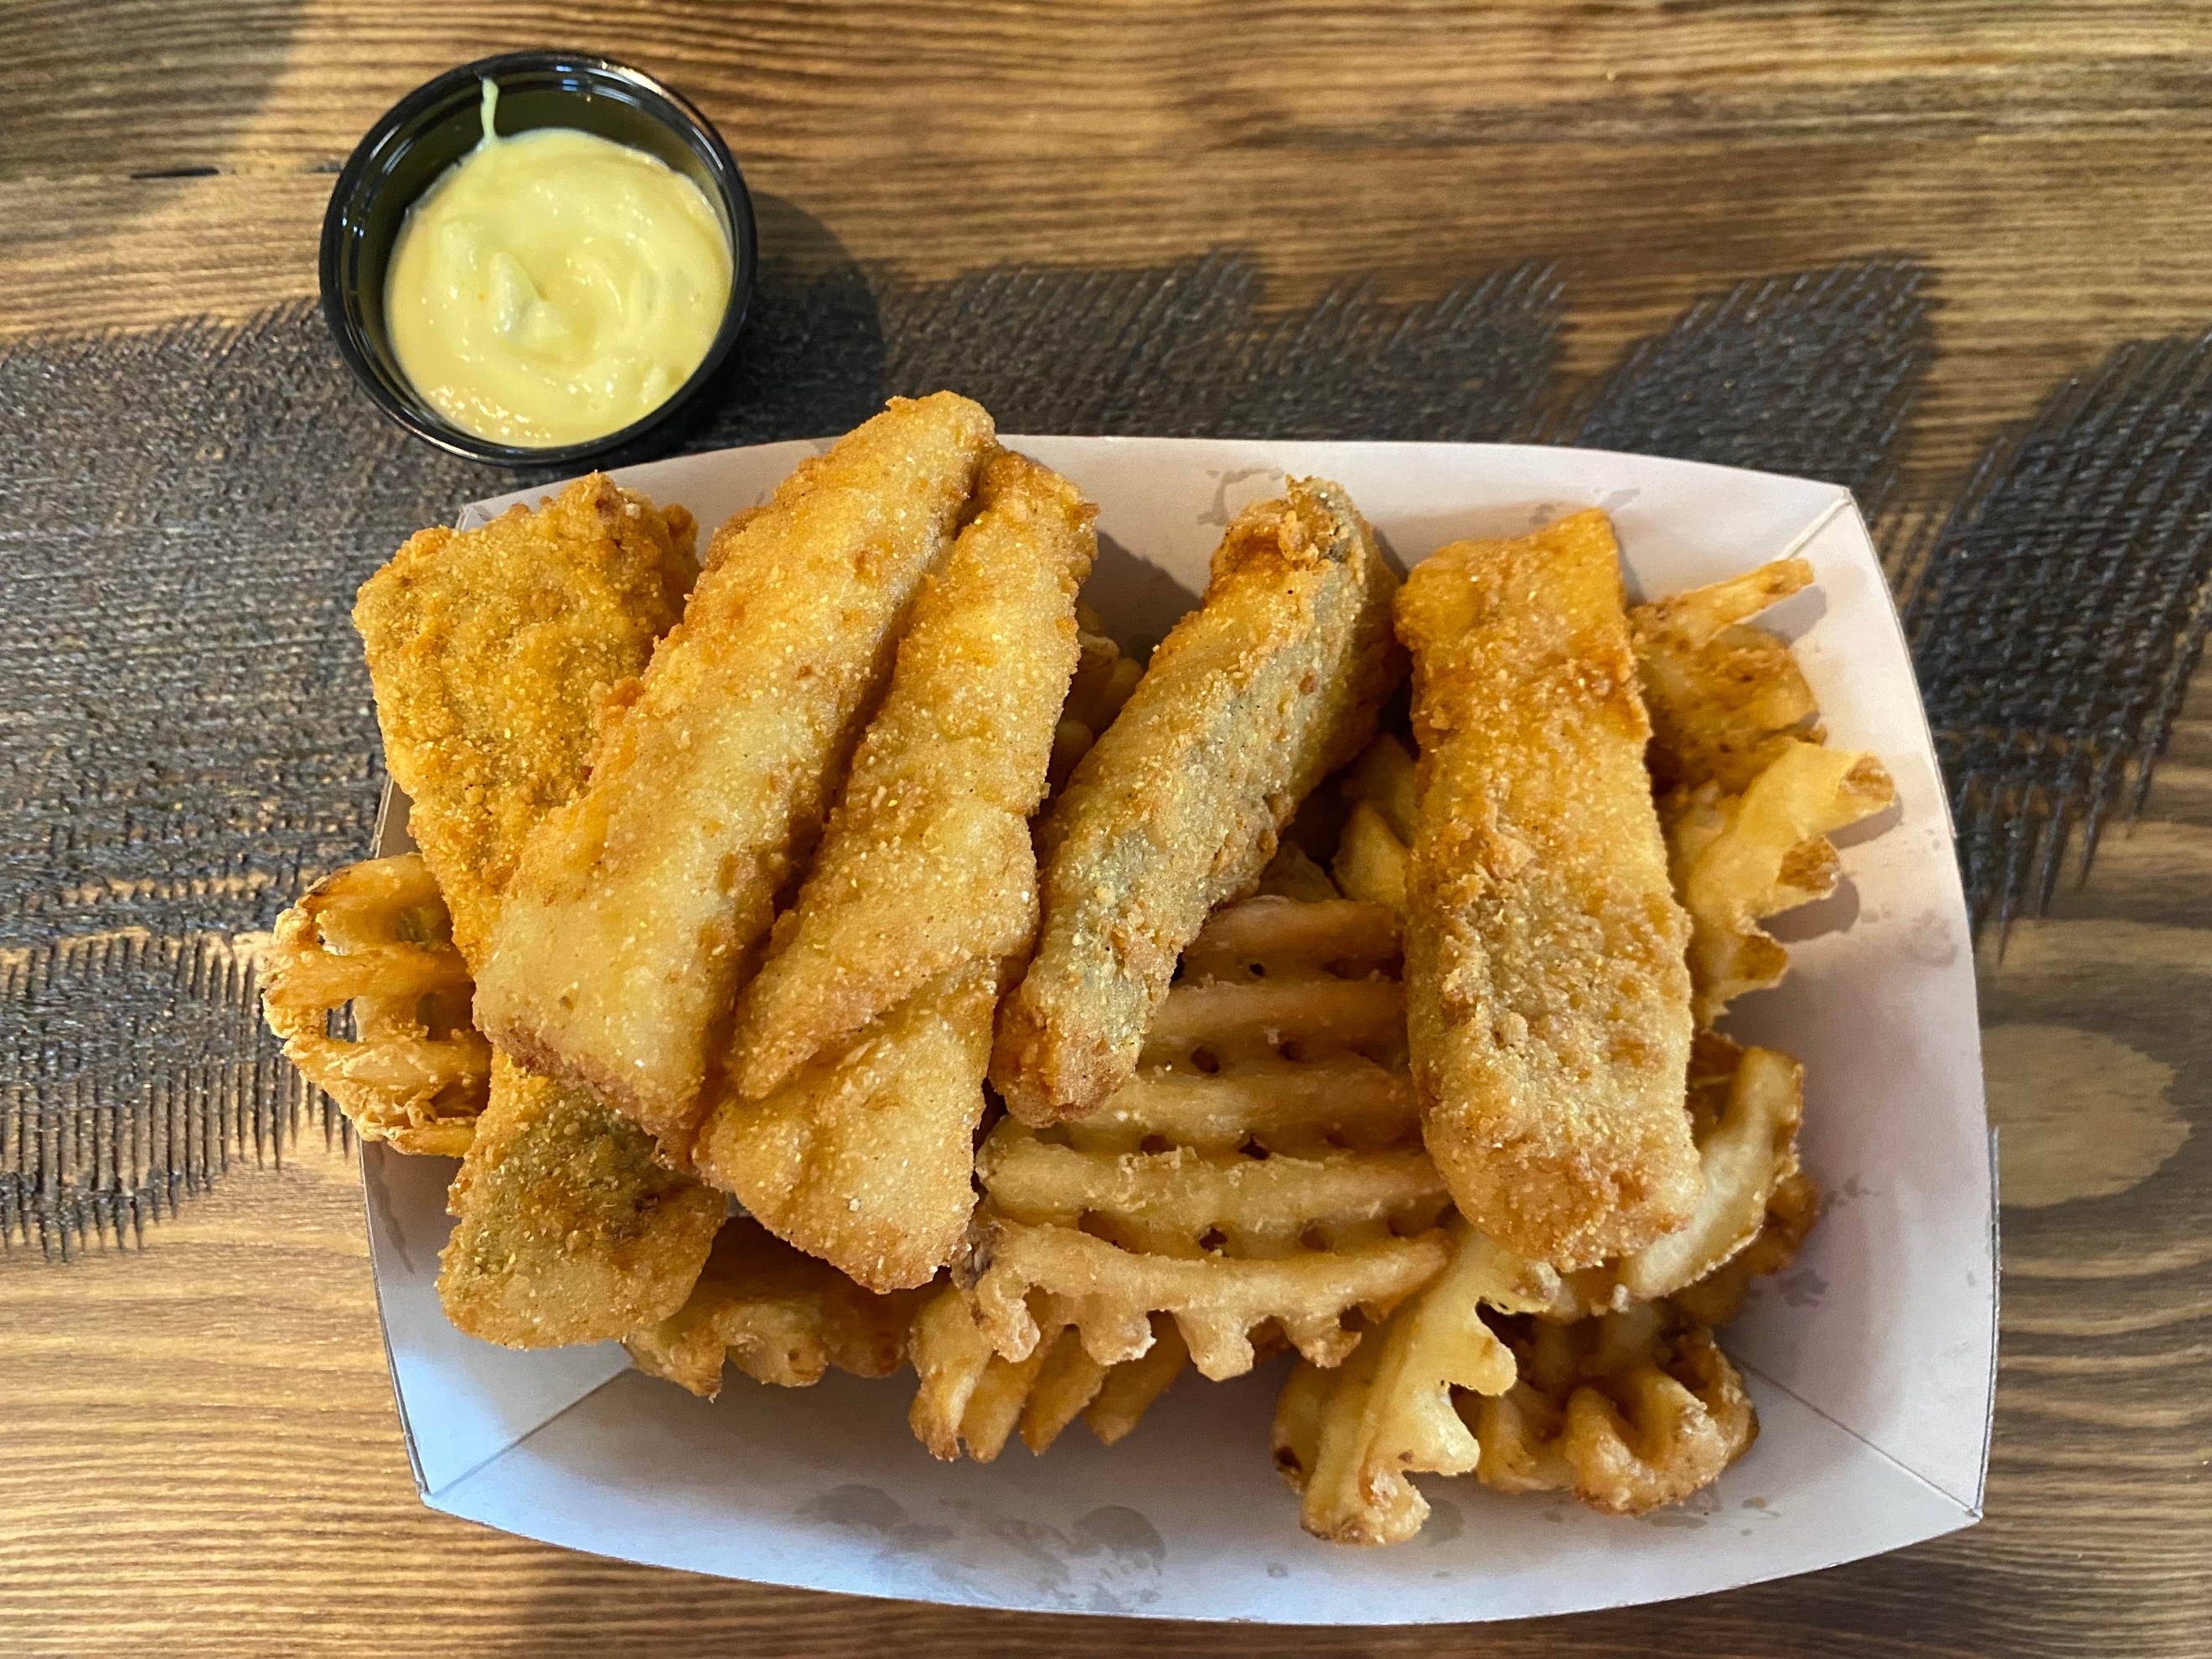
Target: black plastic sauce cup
(434,126)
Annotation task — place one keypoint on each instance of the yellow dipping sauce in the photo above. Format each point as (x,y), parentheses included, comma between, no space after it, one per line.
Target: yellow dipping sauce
(553,287)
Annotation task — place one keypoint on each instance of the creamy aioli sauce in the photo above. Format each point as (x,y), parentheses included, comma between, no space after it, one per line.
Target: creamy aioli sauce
(553,286)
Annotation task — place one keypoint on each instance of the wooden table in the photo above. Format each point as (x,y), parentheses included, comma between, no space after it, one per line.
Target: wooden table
(197,1448)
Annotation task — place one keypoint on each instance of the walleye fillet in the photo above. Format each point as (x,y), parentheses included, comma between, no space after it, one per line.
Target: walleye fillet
(492,651)
(1272,683)
(638,910)
(861,1046)
(1547,1001)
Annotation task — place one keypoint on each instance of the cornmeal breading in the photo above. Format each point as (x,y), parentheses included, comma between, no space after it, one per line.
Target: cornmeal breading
(926,864)
(1549,1005)
(569,1231)
(1254,697)
(638,908)
(858,1065)
(492,651)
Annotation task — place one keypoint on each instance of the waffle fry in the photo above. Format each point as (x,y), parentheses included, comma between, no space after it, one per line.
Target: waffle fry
(971,1397)
(1725,699)
(1628,1411)
(780,1317)
(1263,1164)
(1349,1439)
(375,938)
(1791,1209)
(1746,1156)
(1737,860)
(1377,843)
(1103,680)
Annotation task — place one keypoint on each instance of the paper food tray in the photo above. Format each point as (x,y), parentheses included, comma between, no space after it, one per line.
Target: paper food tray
(1871,1358)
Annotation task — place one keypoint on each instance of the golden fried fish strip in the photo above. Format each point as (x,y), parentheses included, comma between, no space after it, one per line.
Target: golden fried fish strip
(1547,1002)
(781,1318)
(492,651)
(638,906)
(569,1231)
(927,865)
(863,1156)
(1270,685)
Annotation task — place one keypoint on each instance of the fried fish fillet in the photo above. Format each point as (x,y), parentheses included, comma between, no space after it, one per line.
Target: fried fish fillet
(638,908)
(569,1229)
(863,1156)
(492,651)
(1548,1003)
(922,898)
(1256,695)
(926,864)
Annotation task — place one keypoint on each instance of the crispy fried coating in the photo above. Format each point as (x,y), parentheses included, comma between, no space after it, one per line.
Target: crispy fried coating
(569,1231)
(780,1317)
(638,908)
(863,1156)
(1255,696)
(858,1063)
(1549,1005)
(492,651)
(926,864)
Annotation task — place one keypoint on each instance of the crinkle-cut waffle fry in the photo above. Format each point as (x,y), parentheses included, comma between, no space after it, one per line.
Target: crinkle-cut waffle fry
(1349,1439)
(779,1316)
(1261,1166)
(1184,1203)
(1103,680)
(1736,860)
(1111,1294)
(1629,1411)
(1724,698)
(971,1395)
(1791,1209)
(1376,843)
(1748,1153)
(1276,1105)
(376,937)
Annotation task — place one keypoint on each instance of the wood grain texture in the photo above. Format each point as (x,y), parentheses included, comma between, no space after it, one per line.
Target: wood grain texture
(197,1451)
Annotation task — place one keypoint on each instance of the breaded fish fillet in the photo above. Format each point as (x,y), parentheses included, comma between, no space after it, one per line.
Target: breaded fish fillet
(926,864)
(923,894)
(1547,1002)
(1272,683)
(492,651)
(570,1230)
(638,908)
(863,1156)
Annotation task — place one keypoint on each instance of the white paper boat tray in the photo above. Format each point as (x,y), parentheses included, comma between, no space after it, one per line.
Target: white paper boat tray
(1872,1359)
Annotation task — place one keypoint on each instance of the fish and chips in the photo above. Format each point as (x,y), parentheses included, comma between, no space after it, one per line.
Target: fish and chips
(862,963)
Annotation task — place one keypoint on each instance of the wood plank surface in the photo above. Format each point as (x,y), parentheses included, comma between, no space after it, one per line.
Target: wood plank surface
(199,1454)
